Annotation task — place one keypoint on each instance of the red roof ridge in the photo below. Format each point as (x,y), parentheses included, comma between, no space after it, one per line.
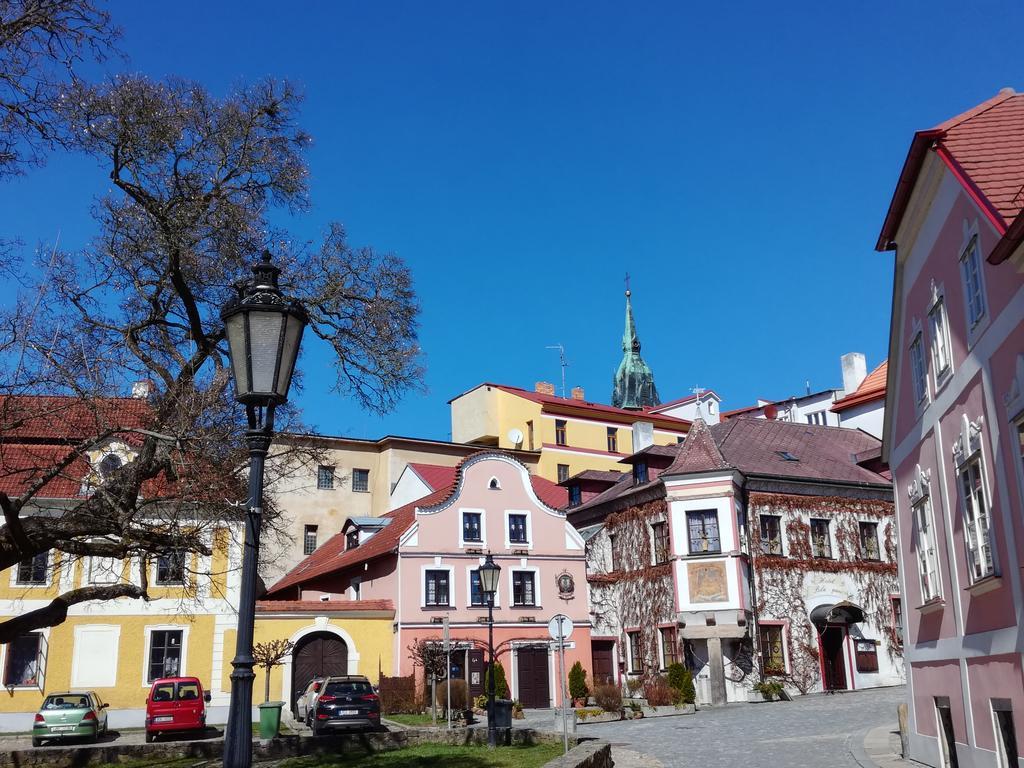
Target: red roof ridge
(985,106)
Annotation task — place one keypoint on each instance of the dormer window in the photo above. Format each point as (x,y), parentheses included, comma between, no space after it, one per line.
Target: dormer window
(352,539)
(110,464)
(640,475)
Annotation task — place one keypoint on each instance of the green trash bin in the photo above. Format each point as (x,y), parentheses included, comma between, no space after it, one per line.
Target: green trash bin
(270,719)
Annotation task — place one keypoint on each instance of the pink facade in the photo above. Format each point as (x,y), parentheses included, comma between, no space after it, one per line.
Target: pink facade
(954,426)
(496,491)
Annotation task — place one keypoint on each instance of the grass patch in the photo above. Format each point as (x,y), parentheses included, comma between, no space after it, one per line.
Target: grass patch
(422,718)
(428,755)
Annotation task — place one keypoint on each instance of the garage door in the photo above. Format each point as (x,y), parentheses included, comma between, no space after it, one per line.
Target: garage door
(532,677)
(318,655)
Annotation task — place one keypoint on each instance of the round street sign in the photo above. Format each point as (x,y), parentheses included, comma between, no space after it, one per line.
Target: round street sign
(560,626)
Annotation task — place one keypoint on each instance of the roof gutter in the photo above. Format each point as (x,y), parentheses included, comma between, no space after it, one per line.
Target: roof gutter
(1009,242)
(972,189)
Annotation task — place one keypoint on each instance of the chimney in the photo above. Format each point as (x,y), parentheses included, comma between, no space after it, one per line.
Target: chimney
(577,393)
(855,370)
(544,388)
(643,435)
(141,390)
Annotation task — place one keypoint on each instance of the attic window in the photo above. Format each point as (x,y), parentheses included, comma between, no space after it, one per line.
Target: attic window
(786,456)
(110,464)
(352,539)
(640,473)
(494,485)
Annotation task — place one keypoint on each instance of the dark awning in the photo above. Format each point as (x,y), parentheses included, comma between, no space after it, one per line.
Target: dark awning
(843,612)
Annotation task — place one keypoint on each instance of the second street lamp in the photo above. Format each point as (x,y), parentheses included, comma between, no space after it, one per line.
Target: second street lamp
(490,573)
(264,330)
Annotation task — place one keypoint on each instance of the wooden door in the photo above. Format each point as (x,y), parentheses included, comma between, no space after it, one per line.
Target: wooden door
(532,677)
(476,673)
(833,661)
(318,655)
(603,653)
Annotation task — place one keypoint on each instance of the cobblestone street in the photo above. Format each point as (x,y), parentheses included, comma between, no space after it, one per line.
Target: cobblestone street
(811,732)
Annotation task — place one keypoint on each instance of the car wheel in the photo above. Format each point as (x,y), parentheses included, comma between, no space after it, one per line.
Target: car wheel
(37,742)
(150,737)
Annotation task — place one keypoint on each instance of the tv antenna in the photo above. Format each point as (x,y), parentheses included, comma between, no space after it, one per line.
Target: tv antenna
(561,361)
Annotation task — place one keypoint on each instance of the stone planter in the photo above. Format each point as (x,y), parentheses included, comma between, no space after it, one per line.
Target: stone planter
(669,710)
(595,715)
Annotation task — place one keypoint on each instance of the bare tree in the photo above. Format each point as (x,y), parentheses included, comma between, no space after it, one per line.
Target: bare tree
(41,43)
(195,182)
(269,655)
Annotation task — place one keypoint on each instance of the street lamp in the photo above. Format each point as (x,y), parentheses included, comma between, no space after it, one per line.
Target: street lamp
(264,330)
(490,572)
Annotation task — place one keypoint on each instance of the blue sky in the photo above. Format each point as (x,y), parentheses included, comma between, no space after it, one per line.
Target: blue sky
(736,159)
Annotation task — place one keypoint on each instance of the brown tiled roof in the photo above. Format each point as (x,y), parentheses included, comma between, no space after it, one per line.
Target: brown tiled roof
(755,447)
(600,475)
(323,606)
(871,389)
(698,453)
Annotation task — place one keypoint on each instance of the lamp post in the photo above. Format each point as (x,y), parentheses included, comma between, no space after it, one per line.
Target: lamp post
(490,572)
(264,330)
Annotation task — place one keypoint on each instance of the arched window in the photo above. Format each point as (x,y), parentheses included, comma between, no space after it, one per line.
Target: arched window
(111,463)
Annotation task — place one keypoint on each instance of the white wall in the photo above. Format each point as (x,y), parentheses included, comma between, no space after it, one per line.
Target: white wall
(867,416)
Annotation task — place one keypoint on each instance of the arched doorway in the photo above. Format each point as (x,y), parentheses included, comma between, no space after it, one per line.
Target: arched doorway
(320,654)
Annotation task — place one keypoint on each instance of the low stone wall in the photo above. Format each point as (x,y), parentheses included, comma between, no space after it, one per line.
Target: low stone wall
(589,754)
(276,749)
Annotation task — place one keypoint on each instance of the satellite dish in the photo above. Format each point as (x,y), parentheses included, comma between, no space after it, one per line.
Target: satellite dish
(515,436)
(770,412)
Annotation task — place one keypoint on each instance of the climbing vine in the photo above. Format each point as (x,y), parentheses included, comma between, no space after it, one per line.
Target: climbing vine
(781,582)
(629,591)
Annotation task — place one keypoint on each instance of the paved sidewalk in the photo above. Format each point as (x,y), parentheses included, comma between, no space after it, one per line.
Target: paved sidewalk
(880,748)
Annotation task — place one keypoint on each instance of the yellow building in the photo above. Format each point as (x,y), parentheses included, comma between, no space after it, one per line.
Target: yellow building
(570,433)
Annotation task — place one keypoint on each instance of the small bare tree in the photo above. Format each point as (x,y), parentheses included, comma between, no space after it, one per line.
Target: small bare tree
(430,655)
(269,655)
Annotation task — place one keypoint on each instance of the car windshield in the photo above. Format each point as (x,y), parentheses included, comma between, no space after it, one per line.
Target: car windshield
(348,688)
(66,702)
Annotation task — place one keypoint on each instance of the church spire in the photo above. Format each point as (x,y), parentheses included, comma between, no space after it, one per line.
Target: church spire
(633,385)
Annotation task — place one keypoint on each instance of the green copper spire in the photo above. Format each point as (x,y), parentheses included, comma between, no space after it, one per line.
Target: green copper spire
(633,385)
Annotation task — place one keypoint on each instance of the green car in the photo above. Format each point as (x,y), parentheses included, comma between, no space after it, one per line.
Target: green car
(72,715)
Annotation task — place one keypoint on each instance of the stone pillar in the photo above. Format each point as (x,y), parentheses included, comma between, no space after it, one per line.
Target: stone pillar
(718,696)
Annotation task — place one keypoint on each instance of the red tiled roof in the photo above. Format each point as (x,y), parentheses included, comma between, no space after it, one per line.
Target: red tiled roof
(871,389)
(597,409)
(21,464)
(698,453)
(45,417)
(435,476)
(984,149)
(323,606)
(332,556)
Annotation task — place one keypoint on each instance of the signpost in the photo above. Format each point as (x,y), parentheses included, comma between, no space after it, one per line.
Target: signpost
(560,628)
(448,670)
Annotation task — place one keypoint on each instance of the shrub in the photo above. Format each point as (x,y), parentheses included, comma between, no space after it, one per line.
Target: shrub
(771,689)
(608,697)
(459,694)
(500,685)
(633,685)
(480,702)
(578,682)
(398,695)
(657,692)
(680,680)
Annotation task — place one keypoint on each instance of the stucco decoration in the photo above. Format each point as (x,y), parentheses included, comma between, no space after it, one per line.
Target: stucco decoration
(1014,398)
(566,585)
(920,486)
(969,441)
(707,582)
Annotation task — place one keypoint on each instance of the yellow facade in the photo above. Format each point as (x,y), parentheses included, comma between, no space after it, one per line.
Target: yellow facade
(109,646)
(489,414)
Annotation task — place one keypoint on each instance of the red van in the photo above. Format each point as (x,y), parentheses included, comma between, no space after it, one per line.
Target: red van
(175,704)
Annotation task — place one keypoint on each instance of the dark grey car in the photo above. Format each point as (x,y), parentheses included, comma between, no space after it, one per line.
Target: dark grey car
(344,703)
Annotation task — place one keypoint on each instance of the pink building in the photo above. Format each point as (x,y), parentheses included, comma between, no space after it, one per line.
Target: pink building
(954,431)
(424,557)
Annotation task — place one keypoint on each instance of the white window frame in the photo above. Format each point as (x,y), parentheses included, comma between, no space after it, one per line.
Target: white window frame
(971,518)
(482,544)
(538,600)
(50,568)
(918,368)
(98,562)
(940,340)
(148,646)
(528,544)
(155,565)
(423,585)
(469,589)
(1002,759)
(783,625)
(927,557)
(40,684)
(782,534)
(632,635)
(970,257)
